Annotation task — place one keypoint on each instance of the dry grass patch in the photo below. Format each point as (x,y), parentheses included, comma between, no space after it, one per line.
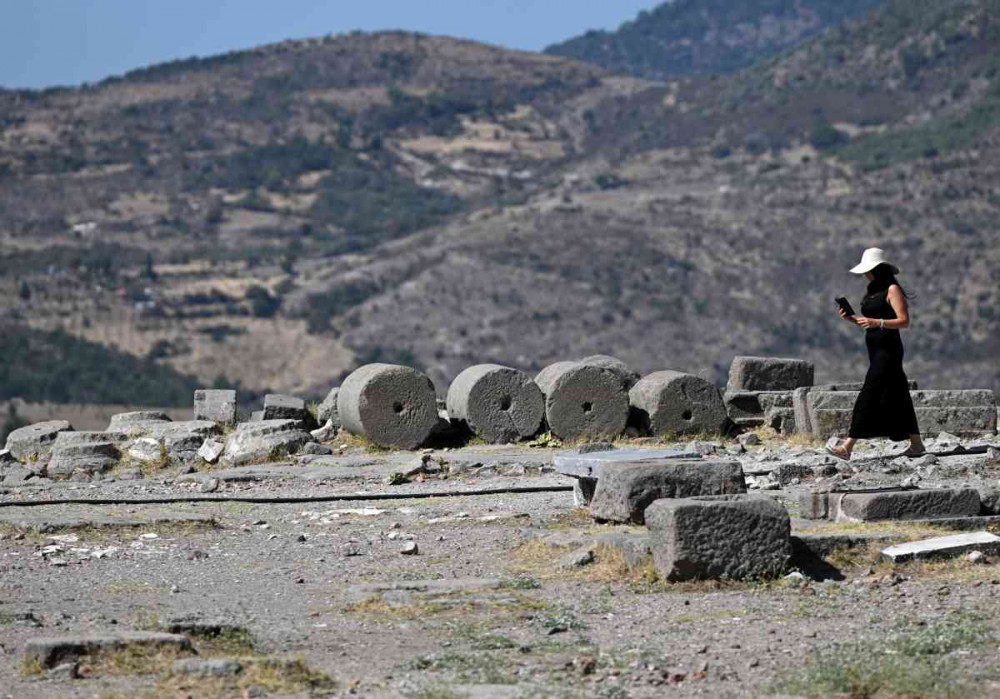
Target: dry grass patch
(273,676)
(355,441)
(458,606)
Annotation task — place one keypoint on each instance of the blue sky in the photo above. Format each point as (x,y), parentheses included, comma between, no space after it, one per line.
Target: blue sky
(66,42)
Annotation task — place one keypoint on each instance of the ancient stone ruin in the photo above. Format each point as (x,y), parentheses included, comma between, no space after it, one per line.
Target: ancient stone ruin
(394,510)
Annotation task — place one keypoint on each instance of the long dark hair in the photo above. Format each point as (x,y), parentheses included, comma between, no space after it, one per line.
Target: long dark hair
(884,278)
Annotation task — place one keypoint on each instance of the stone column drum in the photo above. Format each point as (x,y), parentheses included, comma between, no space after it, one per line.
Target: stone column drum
(394,406)
(583,401)
(674,403)
(499,404)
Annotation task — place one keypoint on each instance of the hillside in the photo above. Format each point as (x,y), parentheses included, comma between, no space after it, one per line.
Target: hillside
(279,216)
(684,37)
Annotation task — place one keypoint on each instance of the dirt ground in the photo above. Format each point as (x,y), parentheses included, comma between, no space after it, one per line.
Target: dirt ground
(484,608)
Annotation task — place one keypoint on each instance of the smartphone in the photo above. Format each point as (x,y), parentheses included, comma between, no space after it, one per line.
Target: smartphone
(845,305)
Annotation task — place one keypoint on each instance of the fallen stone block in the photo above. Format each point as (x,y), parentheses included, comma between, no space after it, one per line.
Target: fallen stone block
(943,547)
(121,422)
(673,403)
(769,374)
(736,537)
(33,444)
(327,410)
(212,667)
(393,406)
(623,493)
(583,401)
(49,652)
(182,440)
(969,413)
(498,404)
(83,453)
(904,505)
(626,374)
(215,405)
(270,440)
(584,463)
(211,450)
(147,450)
(281,407)
(751,408)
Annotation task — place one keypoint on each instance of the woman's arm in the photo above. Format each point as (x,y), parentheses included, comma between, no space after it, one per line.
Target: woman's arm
(899,305)
(902,309)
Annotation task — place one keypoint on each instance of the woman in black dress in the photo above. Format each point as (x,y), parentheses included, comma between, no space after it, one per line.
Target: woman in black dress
(884,407)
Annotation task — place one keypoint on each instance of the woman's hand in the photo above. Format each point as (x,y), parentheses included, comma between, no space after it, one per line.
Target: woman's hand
(866,323)
(849,319)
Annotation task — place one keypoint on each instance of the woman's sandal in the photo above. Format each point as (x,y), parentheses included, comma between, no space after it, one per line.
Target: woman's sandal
(912,453)
(838,451)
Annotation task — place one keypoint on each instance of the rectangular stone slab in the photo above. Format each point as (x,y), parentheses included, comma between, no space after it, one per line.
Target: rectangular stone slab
(571,463)
(624,492)
(972,422)
(943,546)
(906,505)
(49,652)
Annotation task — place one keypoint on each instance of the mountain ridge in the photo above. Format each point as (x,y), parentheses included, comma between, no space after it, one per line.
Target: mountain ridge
(439,203)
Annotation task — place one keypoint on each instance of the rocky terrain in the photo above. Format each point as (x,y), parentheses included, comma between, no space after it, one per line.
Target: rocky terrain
(681,37)
(323,580)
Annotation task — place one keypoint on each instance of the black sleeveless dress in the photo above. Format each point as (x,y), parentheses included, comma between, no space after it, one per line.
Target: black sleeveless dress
(884,407)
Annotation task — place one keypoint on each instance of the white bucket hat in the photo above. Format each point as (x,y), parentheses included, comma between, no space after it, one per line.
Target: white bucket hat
(872,258)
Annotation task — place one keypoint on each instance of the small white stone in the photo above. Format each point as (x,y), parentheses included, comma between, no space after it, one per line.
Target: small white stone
(977,557)
(410,549)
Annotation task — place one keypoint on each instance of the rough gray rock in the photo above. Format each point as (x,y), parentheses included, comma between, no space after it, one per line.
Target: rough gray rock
(146,450)
(84,453)
(736,537)
(17,475)
(263,441)
(49,652)
(633,548)
(769,374)
(215,405)
(623,493)
(33,444)
(498,404)
(281,407)
(121,422)
(674,403)
(626,374)
(327,410)
(212,667)
(579,558)
(583,401)
(211,450)
(182,440)
(394,406)
(315,449)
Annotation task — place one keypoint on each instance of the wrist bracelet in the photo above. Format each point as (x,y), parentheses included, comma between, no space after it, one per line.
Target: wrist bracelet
(881,324)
